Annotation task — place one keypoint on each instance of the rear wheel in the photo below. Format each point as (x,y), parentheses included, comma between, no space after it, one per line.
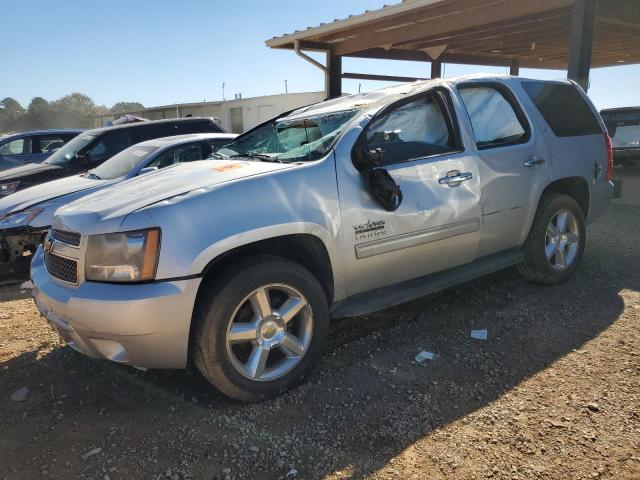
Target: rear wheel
(555,244)
(260,328)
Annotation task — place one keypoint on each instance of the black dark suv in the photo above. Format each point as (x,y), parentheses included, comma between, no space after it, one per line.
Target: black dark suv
(92,147)
(623,125)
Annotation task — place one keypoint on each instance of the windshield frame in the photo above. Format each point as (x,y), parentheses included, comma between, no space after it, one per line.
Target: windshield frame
(357,111)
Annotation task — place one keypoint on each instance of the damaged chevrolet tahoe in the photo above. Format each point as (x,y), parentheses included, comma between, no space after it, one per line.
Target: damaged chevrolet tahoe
(337,209)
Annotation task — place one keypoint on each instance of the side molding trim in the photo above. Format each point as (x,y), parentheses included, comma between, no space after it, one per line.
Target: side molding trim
(421,237)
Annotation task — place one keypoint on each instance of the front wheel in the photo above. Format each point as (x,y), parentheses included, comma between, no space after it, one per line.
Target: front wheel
(260,328)
(556,241)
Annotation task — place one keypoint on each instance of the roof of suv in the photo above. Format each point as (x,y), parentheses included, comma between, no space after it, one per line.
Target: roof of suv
(43,131)
(395,92)
(98,131)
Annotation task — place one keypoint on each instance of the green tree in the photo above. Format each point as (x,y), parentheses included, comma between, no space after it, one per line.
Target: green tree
(74,110)
(38,113)
(11,113)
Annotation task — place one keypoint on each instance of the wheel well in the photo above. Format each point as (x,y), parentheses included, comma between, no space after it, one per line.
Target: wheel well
(575,187)
(307,250)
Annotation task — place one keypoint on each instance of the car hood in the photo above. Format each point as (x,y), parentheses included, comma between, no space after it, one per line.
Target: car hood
(37,194)
(29,169)
(8,163)
(113,203)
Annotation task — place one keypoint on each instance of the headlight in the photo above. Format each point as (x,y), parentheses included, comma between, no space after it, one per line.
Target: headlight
(19,218)
(123,257)
(8,188)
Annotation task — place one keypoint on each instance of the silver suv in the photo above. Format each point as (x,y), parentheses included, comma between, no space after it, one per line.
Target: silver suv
(341,208)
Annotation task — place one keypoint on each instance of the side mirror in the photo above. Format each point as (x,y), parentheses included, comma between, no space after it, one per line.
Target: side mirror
(364,159)
(146,170)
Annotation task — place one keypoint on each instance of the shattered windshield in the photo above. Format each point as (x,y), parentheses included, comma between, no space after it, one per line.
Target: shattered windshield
(291,140)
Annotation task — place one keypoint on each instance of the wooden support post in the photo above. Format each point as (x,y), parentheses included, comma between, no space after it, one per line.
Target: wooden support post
(582,25)
(515,67)
(436,69)
(334,76)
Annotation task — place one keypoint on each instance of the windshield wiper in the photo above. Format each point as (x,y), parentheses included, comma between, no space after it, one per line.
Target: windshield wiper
(258,156)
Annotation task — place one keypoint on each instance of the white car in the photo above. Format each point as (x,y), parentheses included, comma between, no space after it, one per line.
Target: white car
(26,215)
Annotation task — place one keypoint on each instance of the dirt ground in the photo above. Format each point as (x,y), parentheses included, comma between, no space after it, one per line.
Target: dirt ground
(554,391)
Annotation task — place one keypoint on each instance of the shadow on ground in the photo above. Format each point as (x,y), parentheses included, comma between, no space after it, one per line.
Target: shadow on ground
(366,402)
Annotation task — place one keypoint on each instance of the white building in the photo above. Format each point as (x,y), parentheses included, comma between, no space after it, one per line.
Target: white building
(237,115)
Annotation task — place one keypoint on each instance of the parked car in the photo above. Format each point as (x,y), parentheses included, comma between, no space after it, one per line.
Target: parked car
(26,215)
(338,209)
(93,147)
(32,147)
(624,127)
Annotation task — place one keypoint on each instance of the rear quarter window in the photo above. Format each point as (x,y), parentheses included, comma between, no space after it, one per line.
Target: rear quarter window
(564,108)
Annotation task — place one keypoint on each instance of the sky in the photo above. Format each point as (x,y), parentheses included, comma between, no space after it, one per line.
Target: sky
(160,52)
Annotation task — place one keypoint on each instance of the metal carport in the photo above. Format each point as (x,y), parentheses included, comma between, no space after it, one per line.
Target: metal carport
(575,35)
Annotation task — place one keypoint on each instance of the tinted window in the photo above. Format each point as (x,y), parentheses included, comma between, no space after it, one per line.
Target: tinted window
(416,129)
(493,118)
(49,143)
(179,154)
(564,108)
(108,145)
(204,126)
(152,131)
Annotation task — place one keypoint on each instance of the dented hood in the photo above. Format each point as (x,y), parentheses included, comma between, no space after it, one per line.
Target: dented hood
(117,201)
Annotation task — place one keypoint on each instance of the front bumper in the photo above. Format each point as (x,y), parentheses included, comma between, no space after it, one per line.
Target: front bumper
(143,325)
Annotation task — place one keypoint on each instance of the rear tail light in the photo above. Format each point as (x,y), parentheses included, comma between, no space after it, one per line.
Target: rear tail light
(609,173)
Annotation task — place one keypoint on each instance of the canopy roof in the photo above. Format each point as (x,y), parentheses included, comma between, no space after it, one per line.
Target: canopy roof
(534,33)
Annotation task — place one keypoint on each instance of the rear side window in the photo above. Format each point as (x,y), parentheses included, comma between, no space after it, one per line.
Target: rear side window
(564,108)
(495,120)
(49,143)
(204,126)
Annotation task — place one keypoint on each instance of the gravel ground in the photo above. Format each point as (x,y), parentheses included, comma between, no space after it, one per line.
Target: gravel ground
(553,392)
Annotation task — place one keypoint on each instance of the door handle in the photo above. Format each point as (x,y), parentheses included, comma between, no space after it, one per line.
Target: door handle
(534,161)
(454,178)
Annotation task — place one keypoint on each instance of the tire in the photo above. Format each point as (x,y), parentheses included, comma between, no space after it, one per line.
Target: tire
(542,239)
(238,296)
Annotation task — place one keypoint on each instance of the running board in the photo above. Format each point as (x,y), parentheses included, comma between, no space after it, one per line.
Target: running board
(385,297)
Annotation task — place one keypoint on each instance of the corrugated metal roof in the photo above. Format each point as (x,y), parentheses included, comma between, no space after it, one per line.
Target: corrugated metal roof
(337,24)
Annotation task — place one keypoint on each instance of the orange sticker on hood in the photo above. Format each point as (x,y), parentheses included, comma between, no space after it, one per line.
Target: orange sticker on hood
(227,166)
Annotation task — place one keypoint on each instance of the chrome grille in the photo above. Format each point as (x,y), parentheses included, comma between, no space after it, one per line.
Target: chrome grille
(61,268)
(70,238)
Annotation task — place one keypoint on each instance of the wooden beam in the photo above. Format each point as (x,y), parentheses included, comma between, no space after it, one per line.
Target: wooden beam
(479,16)
(582,26)
(383,78)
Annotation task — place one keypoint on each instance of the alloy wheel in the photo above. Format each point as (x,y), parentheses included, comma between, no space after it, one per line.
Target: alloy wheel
(562,240)
(269,332)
